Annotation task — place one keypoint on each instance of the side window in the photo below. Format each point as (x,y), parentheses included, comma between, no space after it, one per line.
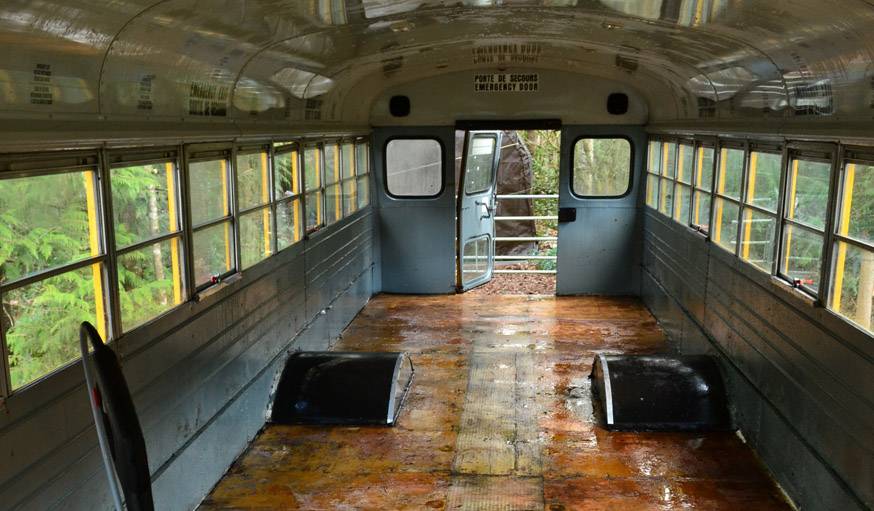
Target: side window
(333,190)
(759,216)
(148,240)
(601,167)
(702,183)
(287,193)
(209,185)
(682,191)
(653,168)
(350,190)
(666,182)
(314,186)
(255,211)
(362,173)
(807,188)
(414,167)
(52,271)
(852,282)
(726,201)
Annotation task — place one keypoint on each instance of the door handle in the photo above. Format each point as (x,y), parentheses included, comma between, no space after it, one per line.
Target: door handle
(484,204)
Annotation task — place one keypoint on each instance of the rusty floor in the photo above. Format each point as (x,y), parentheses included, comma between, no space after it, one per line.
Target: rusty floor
(499,418)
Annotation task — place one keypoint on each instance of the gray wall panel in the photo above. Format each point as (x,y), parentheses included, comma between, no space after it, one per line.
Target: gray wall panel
(799,377)
(417,236)
(200,376)
(600,252)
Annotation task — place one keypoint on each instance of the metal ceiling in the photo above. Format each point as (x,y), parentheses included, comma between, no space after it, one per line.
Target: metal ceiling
(324,62)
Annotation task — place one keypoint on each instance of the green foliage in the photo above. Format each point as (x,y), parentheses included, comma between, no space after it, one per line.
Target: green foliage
(544,148)
(547,264)
(602,166)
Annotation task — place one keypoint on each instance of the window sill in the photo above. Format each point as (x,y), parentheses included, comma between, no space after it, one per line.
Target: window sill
(218,286)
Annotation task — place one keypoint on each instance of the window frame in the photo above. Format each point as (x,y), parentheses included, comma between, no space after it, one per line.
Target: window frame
(122,159)
(337,206)
(364,143)
(716,195)
(443,168)
(196,154)
(320,188)
(352,178)
(657,175)
(632,154)
(293,149)
(846,156)
(18,166)
(677,183)
(746,205)
(664,177)
(266,149)
(822,153)
(700,146)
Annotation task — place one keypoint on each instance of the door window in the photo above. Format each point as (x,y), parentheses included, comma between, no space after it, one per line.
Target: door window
(414,168)
(480,162)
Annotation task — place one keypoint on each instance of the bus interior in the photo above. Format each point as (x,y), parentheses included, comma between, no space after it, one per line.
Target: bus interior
(563,255)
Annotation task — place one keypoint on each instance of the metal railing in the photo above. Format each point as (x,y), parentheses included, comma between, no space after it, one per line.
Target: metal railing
(537,239)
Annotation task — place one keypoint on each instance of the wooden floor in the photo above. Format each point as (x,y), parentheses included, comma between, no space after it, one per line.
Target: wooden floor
(499,418)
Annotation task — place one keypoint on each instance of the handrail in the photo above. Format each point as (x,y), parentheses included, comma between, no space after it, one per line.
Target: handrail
(528,196)
(526,238)
(530,217)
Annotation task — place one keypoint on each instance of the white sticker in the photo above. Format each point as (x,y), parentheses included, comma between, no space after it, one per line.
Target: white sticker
(506,53)
(506,82)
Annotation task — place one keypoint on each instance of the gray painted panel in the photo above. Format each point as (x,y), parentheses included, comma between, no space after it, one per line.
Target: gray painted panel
(801,473)
(600,253)
(801,379)
(417,236)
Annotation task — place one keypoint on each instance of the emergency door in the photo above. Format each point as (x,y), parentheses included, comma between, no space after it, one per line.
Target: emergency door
(476,208)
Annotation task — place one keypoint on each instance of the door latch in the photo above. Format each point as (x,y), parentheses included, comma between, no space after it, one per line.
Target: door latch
(566,215)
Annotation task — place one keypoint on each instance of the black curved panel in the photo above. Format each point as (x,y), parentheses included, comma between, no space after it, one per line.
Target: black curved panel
(342,388)
(660,393)
(127,445)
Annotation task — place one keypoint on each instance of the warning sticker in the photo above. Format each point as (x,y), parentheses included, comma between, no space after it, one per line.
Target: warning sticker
(506,82)
(506,53)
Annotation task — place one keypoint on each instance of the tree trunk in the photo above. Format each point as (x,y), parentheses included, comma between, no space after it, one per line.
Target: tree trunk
(866,290)
(155,227)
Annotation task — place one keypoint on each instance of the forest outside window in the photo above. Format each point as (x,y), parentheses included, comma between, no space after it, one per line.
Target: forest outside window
(852,280)
(254,206)
(759,215)
(52,273)
(148,240)
(210,192)
(726,200)
(601,167)
(287,193)
(804,222)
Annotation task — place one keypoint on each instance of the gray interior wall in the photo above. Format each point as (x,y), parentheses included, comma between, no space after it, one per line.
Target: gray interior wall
(200,376)
(800,377)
